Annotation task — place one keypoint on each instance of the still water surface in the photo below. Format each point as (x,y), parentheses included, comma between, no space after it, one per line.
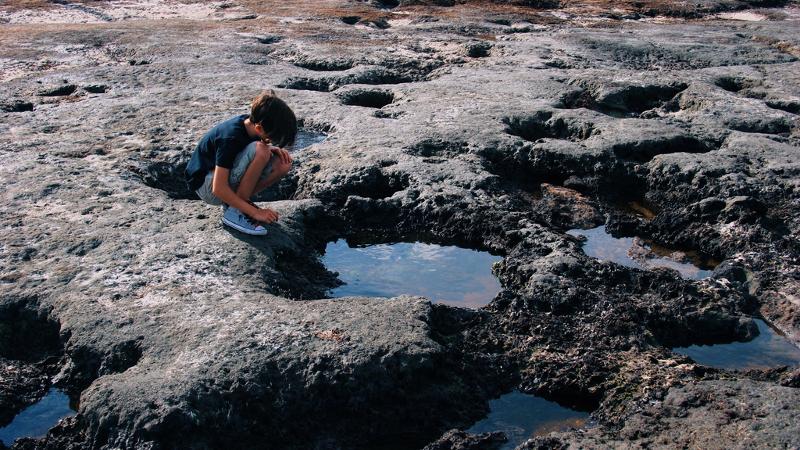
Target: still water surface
(522,416)
(640,254)
(768,349)
(35,420)
(444,274)
(306,138)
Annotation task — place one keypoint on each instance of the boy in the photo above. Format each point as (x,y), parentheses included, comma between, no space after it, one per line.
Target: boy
(242,156)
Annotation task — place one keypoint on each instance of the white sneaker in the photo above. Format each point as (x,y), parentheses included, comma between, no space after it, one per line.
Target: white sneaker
(241,222)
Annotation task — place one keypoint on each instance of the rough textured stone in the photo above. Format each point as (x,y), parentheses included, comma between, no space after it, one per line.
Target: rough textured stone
(459,440)
(707,414)
(174,331)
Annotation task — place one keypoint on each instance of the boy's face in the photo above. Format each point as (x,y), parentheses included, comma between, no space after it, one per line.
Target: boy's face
(262,134)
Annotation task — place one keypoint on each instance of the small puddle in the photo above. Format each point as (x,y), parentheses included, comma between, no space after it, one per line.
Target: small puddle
(638,253)
(523,416)
(768,349)
(444,274)
(307,138)
(35,420)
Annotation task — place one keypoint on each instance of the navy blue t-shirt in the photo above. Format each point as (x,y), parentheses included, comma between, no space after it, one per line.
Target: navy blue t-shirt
(218,147)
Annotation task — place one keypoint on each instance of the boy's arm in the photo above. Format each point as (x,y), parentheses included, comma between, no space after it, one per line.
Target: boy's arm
(222,190)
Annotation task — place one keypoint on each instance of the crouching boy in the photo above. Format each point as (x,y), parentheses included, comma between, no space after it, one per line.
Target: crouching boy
(242,156)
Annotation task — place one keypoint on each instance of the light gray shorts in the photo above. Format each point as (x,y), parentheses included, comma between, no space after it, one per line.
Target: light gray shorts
(240,163)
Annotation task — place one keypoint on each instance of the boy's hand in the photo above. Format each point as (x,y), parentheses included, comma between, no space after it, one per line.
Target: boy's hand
(265,215)
(282,154)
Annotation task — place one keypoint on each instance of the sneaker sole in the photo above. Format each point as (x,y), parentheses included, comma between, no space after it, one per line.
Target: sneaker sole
(242,229)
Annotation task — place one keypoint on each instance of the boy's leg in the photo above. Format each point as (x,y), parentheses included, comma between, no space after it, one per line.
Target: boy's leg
(205,193)
(248,168)
(279,169)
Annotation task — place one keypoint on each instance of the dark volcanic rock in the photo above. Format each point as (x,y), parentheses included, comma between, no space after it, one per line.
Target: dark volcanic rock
(459,440)
(707,414)
(21,384)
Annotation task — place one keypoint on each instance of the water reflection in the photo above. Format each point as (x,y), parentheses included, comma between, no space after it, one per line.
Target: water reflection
(768,349)
(638,253)
(35,420)
(307,138)
(522,416)
(444,274)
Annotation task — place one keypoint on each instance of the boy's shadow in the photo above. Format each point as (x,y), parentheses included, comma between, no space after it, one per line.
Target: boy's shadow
(292,267)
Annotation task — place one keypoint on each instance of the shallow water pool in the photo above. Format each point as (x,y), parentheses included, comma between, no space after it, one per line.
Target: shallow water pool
(640,254)
(523,416)
(444,274)
(768,349)
(35,420)
(307,138)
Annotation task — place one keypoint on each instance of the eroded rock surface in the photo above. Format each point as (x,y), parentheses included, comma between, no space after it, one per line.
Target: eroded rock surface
(493,127)
(741,414)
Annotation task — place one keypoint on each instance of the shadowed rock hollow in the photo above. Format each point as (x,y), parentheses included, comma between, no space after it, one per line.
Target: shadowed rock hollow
(489,125)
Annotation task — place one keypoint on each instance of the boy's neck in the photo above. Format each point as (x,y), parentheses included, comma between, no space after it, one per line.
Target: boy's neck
(251,129)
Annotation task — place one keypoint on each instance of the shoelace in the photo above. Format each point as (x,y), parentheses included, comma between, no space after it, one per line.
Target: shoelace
(252,221)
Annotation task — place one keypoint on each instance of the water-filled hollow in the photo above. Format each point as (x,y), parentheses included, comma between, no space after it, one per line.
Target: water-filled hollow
(35,420)
(306,138)
(641,254)
(768,349)
(522,416)
(443,273)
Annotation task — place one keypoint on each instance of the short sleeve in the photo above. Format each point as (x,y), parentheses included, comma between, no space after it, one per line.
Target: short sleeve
(227,149)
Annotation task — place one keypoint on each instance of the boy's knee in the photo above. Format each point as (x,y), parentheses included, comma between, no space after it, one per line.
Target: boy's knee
(262,152)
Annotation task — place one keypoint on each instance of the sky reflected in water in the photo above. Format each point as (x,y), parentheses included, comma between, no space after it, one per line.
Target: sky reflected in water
(768,349)
(522,416)
(640,254)
(306,138)
(35,420)
(444,274)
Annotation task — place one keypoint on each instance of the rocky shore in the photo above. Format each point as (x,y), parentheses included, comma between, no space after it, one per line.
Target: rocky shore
(496,126)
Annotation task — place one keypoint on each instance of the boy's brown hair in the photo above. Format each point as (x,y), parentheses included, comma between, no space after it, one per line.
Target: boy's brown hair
(275,116)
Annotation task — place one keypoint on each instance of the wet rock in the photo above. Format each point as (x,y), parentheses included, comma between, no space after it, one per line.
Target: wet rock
(719,413)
